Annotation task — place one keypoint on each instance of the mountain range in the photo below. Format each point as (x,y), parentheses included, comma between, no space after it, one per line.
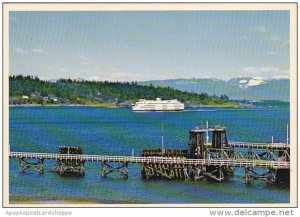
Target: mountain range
(242,88)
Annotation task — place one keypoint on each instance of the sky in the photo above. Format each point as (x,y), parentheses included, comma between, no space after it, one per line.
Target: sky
(149,45)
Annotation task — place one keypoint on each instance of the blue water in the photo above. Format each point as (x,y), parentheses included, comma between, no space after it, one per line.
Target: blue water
(116,131)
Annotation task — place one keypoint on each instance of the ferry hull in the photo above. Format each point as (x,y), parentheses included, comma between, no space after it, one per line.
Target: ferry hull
(158,105)
(156,110)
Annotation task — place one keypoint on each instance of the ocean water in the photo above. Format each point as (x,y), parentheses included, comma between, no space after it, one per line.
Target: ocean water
(116,131)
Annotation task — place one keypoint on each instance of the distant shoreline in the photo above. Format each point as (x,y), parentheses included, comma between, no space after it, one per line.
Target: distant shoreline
(106,106)
(70,105)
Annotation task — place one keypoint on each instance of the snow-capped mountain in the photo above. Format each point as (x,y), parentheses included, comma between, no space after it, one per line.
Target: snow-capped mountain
(247,82)
(236,88)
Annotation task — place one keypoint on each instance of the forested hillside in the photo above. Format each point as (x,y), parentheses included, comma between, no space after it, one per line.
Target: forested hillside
(32,90)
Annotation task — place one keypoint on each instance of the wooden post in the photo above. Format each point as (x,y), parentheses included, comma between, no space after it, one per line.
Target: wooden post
(37,166)
(22,170)
(107,169)
(41,162)
(103,171)
(126,170)
(248,177)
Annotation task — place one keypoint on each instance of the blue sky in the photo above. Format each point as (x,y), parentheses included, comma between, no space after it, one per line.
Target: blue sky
(149,45)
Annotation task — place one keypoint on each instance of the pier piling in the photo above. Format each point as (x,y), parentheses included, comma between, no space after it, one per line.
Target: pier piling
(37,166)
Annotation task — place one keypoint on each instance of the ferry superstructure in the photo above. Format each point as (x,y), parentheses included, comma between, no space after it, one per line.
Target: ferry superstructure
(158,105)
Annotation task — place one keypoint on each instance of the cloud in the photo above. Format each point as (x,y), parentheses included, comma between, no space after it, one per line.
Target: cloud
(19,51)
(273,38)
(63,69)
(13,19)
(113,74)
(281,77)
(278,41)
(265,72)
(245,38)
(38,51)
(272,53)
(260,29)
(82,59)
(125,76)
(268,36)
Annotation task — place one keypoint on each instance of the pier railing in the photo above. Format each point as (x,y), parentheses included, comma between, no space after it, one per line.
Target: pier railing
(247,145)
(132,159)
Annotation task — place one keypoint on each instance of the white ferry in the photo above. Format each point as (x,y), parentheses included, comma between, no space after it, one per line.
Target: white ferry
(158,105)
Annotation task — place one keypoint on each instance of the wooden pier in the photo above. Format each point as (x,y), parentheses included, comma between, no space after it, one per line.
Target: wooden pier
(162,167)
(215,160)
